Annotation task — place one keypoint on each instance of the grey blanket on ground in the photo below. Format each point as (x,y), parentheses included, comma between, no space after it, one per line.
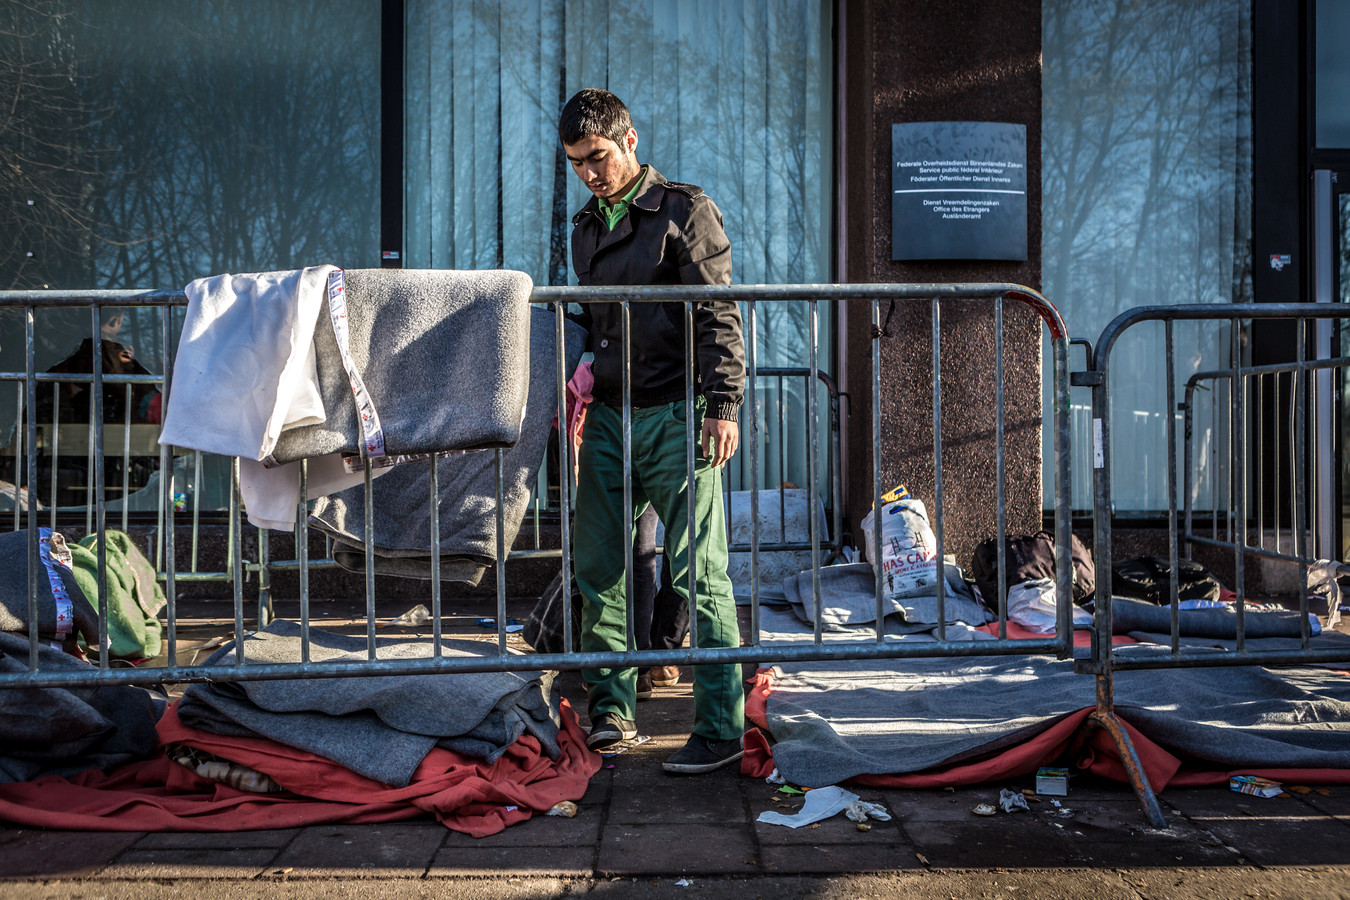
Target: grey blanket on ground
(848,599)
(782,626)
(63,731)
(379,727)
(442,353)
(1129,615)
(14,609)
(468,488)
(832,721)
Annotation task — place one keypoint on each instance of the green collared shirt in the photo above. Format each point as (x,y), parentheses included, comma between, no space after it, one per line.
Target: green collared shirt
(614,214)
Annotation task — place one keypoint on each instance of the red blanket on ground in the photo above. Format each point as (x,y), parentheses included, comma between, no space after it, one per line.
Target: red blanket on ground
(1096,754)
(465,794)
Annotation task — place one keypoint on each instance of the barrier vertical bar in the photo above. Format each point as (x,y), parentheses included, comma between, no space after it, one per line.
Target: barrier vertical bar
(1103,658)
(937,470)
(100,489)
(1188,455)
(1001,520)
(56,449)
(752,377)
(196,505)
(874,551)
(169,519)
(1261,463)
(564,475)
(1063,449)
(691,495)
(264,577)
(501,557)
(235,551)
(626,336)
(302,553)
(34,560)
(21,448)
(126,455)
(1298,467)
(1173,600)
(434,504)
(369,501)
(812,454)
(782,461)
(1238,493)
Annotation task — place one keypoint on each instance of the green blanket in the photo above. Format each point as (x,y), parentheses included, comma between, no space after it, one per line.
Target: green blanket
(134,596)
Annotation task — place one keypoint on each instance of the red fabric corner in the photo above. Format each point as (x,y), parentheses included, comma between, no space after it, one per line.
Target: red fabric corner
(1099,756)
(1028,756)
(1080,638)
(465,794)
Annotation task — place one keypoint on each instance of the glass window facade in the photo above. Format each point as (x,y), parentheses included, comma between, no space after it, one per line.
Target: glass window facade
(733,96)
(1332,75)
(156,142)
(1146,184)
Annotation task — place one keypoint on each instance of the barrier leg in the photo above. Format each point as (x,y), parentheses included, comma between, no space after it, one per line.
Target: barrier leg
(1105,717)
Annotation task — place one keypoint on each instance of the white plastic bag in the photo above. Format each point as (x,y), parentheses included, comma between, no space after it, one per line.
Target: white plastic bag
(909,560)
(1031,604)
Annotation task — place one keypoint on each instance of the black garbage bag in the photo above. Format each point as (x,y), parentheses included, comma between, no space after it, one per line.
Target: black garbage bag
(1149,578)
(544,628)
(1028,557)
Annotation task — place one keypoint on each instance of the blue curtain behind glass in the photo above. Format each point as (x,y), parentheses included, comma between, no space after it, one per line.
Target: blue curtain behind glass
(732,95)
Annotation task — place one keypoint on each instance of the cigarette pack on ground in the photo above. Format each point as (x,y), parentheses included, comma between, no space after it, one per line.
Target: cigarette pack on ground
(1255,785)
(1053,782)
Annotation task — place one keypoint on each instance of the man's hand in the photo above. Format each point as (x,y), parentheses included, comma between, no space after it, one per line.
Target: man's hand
(720,440)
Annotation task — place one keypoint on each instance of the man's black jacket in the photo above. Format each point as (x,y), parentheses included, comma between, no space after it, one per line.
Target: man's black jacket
(672,234)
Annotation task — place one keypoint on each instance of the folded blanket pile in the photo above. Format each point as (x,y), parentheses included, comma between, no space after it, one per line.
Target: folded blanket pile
(381,728)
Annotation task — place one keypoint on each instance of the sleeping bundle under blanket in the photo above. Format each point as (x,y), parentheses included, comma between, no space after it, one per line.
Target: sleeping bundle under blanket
(380,727)
(468,488)
(14,611)
(442,353)
(62,731)
(1129,616)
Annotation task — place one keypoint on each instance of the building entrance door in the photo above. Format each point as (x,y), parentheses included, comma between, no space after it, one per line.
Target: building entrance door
(1331,284)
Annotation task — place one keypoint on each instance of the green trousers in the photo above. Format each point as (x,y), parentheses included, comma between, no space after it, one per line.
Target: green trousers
(660,477)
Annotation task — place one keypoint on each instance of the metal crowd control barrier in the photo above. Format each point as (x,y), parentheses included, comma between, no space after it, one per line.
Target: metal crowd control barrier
(1236,426)
(809,297)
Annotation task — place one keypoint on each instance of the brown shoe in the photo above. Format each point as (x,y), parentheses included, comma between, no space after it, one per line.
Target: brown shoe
(644,685)
(665,676)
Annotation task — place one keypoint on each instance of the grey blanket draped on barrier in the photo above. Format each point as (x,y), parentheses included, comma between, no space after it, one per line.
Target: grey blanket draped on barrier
(468,488)
(381,727)
(63,731)
(442,353)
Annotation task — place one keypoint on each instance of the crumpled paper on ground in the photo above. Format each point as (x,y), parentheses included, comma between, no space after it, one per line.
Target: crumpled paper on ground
(1011,801)
(860,811)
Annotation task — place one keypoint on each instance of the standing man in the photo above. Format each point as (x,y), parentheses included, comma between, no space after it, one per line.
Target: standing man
(641,229)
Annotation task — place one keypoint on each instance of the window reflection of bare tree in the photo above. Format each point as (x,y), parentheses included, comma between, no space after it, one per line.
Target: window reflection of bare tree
(1147,186)
(164,141)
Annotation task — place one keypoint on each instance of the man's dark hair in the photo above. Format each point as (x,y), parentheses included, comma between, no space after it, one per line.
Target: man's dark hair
(594,111)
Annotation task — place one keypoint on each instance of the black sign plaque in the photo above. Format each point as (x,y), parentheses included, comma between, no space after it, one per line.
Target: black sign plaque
(959,190)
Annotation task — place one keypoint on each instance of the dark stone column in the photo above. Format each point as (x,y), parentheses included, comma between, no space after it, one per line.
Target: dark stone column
(977,60)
